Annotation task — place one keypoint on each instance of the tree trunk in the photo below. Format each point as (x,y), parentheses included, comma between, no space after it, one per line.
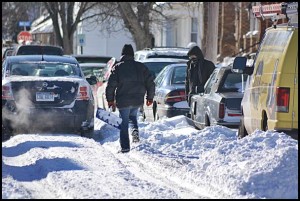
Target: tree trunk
(138,25)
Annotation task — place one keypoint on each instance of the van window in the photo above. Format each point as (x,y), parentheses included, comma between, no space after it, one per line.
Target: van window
(275,41)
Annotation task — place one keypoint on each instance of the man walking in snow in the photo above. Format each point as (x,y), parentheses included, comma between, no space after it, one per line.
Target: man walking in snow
(197,72)
(127,85)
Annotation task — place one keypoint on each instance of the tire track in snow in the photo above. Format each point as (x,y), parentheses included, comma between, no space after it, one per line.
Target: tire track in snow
(139,169)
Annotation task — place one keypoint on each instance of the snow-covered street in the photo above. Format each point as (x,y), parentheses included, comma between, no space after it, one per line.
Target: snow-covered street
(172,160)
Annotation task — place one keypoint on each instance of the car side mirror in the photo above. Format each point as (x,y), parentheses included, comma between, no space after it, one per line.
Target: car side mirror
(199,89)
(240,66)
(239,63)
(248,70)
(92,80)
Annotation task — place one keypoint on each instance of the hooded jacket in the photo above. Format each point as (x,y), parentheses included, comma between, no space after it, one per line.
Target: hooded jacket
(129,81)
(198,70)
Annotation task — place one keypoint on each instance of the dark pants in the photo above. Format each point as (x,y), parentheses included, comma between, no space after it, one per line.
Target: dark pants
(129,119)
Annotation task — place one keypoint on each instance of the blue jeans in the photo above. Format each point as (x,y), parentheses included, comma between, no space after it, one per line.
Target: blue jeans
(129,119)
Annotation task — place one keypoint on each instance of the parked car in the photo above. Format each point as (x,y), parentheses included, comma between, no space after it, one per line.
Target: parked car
(38,50)
(83,58)
(7,51)
(271,96)
(218,103)
(94,65)
(101,98)
(45,93)
(169,99)
(155,65)
(94,70)
(161,52)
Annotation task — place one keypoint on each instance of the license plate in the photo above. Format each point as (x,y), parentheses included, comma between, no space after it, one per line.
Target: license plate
(44,96)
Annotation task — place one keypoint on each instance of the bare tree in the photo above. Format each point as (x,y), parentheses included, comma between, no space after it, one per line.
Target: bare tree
(13,13)
(137,18)
(137,23)
(65,17)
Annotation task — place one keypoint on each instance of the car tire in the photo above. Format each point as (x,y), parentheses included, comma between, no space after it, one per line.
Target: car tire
(155,114)
(207,122)
(265,123)
(242,132)
(6,133)
(87,133)
(144,116)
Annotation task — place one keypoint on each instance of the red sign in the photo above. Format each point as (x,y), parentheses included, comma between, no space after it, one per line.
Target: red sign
(24,36)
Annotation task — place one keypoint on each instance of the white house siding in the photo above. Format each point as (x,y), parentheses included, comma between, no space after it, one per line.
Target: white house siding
(180,32)
(102,43)
(99,43)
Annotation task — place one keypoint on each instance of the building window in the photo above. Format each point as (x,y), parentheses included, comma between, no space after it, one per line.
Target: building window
(194,31)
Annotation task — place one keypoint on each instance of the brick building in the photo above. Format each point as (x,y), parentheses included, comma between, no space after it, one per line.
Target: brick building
(239,32)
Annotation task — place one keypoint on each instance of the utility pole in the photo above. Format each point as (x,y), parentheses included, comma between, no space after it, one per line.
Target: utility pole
(212,30)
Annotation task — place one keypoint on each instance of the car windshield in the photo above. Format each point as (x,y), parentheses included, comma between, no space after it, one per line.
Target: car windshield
(43,69)
(179,74)
(156,67)
(234,82)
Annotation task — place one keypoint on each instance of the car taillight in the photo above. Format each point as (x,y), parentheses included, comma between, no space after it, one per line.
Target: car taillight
(7,93)
(175,96)
(283,98)
(221,110)
(83,93)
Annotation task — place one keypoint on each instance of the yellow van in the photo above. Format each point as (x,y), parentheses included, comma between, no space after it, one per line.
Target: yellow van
(270,99)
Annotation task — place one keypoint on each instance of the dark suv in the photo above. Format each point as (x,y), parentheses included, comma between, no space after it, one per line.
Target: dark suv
(39,49)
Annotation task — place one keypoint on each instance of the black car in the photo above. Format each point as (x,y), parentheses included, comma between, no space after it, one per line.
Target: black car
(7,51)
(82,58)
(45,93)
(170,99)
(39,50)
(220,102)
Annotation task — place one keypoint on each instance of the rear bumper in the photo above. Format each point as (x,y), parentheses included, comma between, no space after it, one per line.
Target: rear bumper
(171,112)
(48,119)
(228,124)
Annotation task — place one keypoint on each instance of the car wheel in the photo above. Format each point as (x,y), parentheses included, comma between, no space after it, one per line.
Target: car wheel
(87,133)
(265,123)
(144,116)
(6,133)
(242,132)
(207,122)
(193,110)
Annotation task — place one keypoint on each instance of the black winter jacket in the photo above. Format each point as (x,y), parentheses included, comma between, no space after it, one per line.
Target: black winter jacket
(128,83)
(198,71)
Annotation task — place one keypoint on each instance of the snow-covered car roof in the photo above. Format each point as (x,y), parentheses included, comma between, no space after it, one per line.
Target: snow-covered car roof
(92,65)
(164,60)
(160,52)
